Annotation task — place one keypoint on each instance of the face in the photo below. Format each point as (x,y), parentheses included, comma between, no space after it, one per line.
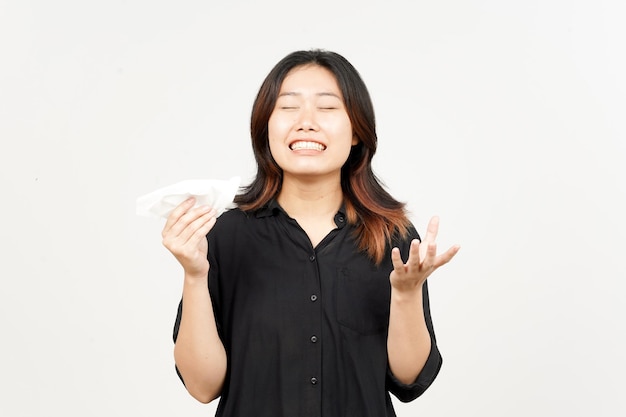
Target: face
(310,134)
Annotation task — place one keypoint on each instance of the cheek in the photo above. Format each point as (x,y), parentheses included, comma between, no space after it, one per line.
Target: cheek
(271,123)
(343,129)
(276,128)
(273,136)
(273,147)
(340,123)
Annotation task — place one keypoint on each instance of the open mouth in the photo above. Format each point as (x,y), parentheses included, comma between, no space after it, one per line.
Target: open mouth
(305,144)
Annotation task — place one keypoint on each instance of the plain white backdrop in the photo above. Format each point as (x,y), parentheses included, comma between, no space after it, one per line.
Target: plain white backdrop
(506,118)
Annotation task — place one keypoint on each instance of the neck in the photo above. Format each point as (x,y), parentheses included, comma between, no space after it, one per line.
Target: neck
(317,198)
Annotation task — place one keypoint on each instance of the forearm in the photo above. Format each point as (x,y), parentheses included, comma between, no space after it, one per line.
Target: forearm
(199,352)
(408,340)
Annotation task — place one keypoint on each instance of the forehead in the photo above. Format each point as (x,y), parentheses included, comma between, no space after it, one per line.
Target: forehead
(310,77)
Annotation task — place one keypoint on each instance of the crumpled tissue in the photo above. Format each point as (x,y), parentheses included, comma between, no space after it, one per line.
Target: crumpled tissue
(218,194)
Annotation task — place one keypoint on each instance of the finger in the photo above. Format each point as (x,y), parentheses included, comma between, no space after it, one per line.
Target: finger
(396,261)
(186,219)
(198,218)
(177,213)
(414,255)
(428,264)
(201,232)
(180,232)
(432,229)
(189,239)
(446,257)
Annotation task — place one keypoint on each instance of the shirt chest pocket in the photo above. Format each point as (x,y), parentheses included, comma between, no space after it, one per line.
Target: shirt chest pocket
(362,298)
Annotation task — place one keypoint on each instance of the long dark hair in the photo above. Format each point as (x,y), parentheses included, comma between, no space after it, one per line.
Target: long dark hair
(375,213)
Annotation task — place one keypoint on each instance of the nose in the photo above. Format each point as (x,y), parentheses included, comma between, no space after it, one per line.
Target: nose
(306,119)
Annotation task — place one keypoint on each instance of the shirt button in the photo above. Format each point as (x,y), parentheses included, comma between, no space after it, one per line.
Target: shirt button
(313,381)
(314,339)
(312,258)
(314,298)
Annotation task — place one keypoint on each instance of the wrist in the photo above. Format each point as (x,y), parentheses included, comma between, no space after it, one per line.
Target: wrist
(196,278)
(407,295)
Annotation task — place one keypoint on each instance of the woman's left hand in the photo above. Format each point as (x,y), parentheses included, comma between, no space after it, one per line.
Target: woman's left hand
(423,260)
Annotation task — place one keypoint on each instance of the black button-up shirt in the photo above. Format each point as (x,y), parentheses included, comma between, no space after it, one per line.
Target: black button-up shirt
(305,329)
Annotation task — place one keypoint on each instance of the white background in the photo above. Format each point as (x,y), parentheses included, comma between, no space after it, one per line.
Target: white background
(506,118)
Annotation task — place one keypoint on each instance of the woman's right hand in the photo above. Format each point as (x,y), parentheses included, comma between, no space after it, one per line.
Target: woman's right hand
(184,234)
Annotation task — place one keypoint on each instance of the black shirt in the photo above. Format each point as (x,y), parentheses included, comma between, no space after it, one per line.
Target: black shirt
(305,329)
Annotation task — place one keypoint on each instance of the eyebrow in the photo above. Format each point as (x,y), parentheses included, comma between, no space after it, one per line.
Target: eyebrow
(322,94)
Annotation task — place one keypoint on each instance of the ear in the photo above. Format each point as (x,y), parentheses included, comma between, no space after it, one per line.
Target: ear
(355,140)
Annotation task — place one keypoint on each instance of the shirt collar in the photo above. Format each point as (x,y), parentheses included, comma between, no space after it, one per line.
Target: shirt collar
(272,208)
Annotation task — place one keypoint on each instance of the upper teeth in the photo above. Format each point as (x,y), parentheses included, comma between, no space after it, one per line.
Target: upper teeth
(307,145)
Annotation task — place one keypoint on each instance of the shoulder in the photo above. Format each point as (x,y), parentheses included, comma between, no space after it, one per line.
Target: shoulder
(234,233)
(407,234)
(229,231)
(230,221)
(403,239)
(232,215)
(235,221)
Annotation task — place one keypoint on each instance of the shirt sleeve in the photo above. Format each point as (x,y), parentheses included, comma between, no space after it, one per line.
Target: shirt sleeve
(175,335)
(409,392)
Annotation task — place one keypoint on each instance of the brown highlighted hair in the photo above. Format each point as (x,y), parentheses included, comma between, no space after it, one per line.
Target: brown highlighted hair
(375,213)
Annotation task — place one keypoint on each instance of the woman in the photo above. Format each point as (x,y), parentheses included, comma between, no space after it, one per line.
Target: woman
(311,310)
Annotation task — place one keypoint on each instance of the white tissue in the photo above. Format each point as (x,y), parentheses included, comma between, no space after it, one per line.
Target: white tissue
(218,194)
